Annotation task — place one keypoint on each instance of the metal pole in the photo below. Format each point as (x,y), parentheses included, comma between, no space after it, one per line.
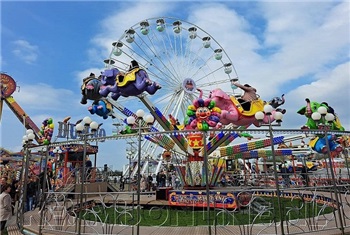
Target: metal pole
(43,198)
(25,182)
(138,178)
(129,173)
(207,189)
(84,135)
(148,157)
(337,197)
(276,176)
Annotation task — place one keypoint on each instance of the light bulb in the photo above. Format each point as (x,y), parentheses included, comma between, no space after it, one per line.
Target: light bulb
(322,110)
(29,131)
(94,126)
(278,116)
(87,120)
(79,127)
(140,113)
(329,117)
(149,119)
(316,116)
(259,116)
(130,120)
(268,109)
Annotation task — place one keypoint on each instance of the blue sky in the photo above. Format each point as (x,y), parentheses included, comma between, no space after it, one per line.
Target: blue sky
(299,48)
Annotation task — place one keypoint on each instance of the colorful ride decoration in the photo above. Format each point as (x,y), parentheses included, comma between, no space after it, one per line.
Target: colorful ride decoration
(166,155)
(90,89)
(202,114)
(47,131)
(233,112)
(132,83)
(319,142)
(8,86)
(101,107)
(275,102)
(196,173)
(195,140)
(197,198)
(127,130)
(175,123)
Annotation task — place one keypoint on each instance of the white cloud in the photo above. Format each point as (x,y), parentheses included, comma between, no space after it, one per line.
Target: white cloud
(114,25)
(25,51)
(331,87)
(301,42)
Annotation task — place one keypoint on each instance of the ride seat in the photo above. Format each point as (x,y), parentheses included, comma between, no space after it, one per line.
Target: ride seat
(128,77)
(255,106)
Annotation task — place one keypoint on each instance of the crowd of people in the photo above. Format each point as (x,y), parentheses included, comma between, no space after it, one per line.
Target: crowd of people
(150,182)
(10,187)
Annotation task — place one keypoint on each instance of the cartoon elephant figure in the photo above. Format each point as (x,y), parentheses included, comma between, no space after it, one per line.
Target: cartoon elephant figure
(232,112)
(275,102)
(101,108)
(90,89)
(312,107)
(133,83)
(319,142)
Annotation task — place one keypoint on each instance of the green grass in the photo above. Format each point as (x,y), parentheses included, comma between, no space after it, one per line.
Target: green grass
(177,216)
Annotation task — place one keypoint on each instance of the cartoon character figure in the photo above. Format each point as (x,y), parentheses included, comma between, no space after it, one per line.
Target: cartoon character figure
(319,142)
(275,102)
(312,107)
(101,108)
(133,83)
(90,89)
(232,111)
(202,114)
(46,131)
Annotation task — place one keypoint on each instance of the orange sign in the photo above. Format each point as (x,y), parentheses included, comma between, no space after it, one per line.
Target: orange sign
(195,140)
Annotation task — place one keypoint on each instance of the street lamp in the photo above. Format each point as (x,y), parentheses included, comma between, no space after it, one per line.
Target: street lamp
(149,119)
(26,142)
(268,109)
(82,129)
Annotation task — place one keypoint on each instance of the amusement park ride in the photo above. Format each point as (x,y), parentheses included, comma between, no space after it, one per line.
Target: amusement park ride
(72,153)
(179,67)
(182,66)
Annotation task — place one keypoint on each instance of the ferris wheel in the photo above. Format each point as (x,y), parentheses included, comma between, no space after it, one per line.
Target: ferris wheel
(176,54)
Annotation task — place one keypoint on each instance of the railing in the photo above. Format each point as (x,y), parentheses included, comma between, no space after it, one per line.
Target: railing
(312,202)
(318,208)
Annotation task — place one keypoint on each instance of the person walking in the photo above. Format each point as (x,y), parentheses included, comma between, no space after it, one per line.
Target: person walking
(31,191)
(88,165)
(150,183)
(122,183)
(158,179)
(5,205)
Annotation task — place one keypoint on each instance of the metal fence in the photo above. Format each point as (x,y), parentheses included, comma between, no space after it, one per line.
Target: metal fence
(294,203)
